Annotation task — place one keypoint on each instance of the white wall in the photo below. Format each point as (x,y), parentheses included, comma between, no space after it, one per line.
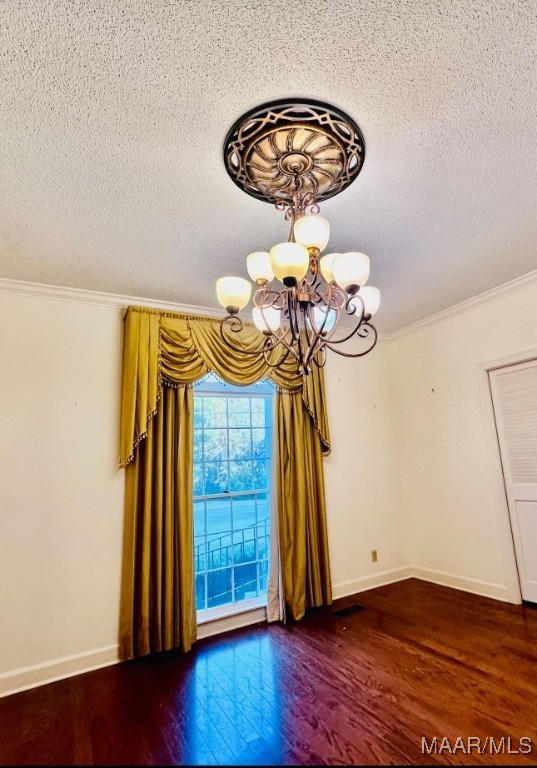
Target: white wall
(447,479)
(362,474)
(61,495)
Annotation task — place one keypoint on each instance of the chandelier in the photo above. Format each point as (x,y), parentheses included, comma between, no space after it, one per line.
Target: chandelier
(294,154)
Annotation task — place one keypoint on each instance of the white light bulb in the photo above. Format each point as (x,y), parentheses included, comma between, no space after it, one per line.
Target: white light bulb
(268,319)
(351,269)
(312,231)
(233,292)
(259,266)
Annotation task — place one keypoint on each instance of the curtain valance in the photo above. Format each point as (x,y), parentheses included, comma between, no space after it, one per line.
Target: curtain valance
(180,349)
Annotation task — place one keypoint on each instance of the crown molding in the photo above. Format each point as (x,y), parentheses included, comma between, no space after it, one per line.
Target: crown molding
(84,296)
(482,299)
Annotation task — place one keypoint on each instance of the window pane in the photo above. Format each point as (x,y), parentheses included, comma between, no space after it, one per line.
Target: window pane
(200,559)
(243,511)
(259,440)
(239,411)
(258,411)
(263,507)
(263,575)
(215,444)
(216,479)
(214,411)
(259,474)
(219,588)
(219,537)
(240,445)
(244,545)
(218,516)
(198,480)
(199,536)
(263,537)
(245,581)
(200,592)
(240,476)
(219,551)
(198,405)
(198,442)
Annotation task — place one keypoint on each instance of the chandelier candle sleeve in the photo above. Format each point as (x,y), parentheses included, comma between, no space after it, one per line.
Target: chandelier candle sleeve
(233,293)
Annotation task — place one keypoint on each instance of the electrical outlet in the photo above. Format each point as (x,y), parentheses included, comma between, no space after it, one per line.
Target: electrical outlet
(374,556)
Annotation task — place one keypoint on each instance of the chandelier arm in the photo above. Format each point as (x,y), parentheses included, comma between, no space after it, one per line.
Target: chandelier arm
(320,358)
(354,332)
(288,347)
(272,341)
(316,347)
(337,302)
(314,338)
(315,342)
(261,297)
(308,329)
(291,317)
(277,340)
(365,326)
(311,278)
(282,359)
(352,313)
(331,298)
(233,320)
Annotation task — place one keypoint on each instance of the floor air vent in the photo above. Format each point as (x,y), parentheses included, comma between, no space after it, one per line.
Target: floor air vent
(349,610)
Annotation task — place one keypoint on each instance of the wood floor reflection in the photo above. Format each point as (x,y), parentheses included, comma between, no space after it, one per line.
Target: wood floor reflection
(422,661)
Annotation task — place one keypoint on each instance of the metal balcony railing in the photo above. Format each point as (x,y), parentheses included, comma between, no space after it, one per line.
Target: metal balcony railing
(232,565)
(226,548)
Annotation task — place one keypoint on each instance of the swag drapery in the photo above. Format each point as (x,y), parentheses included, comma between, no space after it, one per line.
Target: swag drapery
(163,355)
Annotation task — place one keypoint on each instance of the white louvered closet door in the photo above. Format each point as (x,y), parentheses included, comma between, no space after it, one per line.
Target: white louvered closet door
(514,394)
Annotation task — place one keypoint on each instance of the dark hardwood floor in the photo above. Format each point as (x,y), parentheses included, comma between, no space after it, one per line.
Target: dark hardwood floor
(423,661)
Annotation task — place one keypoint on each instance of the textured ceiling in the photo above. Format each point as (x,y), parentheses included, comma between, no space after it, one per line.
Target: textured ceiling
(113,114)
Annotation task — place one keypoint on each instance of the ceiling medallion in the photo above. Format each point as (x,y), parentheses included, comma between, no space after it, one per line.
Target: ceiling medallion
(271,146)
(294,154)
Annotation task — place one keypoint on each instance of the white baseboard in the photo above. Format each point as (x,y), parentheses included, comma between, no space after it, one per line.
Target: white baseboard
(58,669)
(476,587)
(38,674)
(380,579)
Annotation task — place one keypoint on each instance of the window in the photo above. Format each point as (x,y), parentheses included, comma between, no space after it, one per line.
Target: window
(232,480)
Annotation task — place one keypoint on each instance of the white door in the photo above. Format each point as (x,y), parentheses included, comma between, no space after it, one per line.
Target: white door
(514,395)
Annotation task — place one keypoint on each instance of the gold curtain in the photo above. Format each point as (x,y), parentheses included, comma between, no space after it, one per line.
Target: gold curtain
(304,556)
(162,349)
(158,611)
